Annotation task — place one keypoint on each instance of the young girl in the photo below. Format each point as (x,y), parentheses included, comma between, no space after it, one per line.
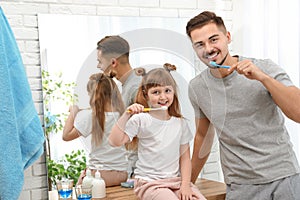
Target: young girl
(163,168)
(106,107)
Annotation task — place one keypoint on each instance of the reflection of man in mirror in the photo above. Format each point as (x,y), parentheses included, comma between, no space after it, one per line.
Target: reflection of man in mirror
(113,56)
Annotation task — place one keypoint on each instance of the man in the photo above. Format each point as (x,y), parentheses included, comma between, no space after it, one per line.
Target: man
(244,105)
(113,58)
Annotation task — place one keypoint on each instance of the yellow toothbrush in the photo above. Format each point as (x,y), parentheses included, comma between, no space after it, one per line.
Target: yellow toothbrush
(151,109)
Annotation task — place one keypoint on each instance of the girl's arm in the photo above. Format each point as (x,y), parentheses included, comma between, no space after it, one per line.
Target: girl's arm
(69,132)
(185,170)
(117,136)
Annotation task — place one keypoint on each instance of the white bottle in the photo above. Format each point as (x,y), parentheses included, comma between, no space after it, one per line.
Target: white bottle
(88,179)
(98,189)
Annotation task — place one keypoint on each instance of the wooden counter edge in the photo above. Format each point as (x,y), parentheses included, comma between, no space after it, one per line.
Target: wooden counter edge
(212,190)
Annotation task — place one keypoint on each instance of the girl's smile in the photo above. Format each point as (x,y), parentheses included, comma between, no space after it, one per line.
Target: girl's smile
(160,96)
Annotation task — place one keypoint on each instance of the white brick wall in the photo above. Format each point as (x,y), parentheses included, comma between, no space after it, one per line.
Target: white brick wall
(22,16)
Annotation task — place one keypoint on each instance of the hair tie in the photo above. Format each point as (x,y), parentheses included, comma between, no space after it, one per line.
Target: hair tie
(169,67)
(140,71)
(112,74)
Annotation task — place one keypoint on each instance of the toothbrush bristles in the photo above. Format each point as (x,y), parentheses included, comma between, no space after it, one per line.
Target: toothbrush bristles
(164,107)
(159,108)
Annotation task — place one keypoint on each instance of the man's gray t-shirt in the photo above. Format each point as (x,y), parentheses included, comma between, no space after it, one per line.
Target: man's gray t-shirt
(129,91)
(129,88)
(255,146)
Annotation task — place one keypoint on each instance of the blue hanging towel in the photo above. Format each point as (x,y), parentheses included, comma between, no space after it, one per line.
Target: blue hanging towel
(21,134)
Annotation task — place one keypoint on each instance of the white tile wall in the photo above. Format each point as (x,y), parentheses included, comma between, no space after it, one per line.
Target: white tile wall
(22,16)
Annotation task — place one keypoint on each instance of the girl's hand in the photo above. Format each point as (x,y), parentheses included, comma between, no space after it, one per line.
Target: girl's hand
(74,109)
(135,108)
(186,192)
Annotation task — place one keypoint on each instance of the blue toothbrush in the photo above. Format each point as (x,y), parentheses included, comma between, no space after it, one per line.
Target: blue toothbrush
(215,65)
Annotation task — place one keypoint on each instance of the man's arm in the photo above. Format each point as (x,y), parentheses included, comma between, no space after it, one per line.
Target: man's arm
(286,97)
(203,141)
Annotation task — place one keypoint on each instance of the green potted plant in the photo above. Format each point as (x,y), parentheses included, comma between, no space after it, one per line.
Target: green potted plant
(70,167)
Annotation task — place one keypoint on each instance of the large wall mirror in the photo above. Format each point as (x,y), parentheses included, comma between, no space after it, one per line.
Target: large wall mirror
(68,58)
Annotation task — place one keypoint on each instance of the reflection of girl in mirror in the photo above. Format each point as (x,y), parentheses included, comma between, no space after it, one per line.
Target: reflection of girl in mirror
(163,168)
(106,106)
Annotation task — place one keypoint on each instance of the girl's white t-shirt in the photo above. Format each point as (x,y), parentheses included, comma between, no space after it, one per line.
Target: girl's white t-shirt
(106,156)
(158,146)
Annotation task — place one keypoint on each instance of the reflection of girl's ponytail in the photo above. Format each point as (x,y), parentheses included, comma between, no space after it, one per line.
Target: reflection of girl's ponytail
(103,93)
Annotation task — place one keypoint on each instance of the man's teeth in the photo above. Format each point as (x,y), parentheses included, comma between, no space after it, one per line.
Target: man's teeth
(211,56)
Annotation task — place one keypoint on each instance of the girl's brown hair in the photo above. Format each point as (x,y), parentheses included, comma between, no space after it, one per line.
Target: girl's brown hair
(104,97)
(158,77)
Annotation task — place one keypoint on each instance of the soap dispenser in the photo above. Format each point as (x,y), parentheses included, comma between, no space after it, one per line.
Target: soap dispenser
(98,189)
(88,179)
